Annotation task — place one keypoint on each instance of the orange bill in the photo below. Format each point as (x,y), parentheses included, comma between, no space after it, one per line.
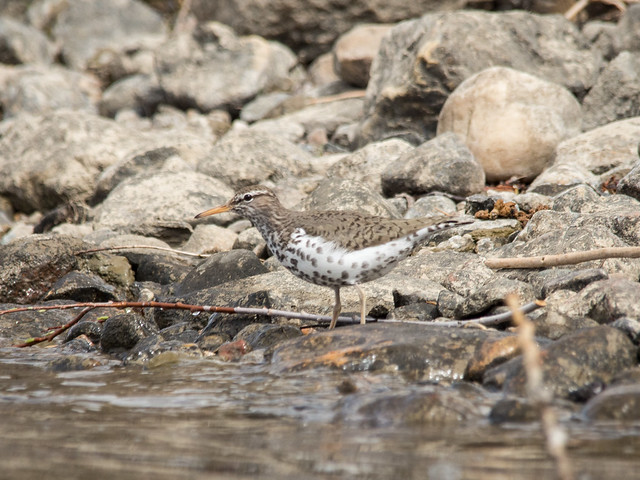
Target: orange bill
(213,211)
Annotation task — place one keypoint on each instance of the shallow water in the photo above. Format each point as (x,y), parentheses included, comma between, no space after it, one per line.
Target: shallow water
(208,419)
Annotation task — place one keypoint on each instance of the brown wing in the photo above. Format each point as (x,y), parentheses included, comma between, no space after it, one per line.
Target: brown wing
(354,230)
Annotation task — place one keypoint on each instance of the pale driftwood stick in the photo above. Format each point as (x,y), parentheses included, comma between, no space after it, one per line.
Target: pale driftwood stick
(149,247)
(575,9)
(563,258)
(555,435)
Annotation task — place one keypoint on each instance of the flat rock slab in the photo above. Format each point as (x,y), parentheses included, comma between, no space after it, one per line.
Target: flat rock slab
(420,353)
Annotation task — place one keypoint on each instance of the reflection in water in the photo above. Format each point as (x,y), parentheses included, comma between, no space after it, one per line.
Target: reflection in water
(207,419)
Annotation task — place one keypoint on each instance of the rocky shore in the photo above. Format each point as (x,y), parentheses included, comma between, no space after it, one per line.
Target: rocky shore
(119,126)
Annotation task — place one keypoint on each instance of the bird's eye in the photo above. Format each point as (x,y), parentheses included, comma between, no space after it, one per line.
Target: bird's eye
(247,197)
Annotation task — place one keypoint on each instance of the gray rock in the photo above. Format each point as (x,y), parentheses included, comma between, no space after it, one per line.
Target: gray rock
(262,105)
(221,268)
(511,121)
(85,28)
(313,29)
(140,93)
(574,281)
(338,194)
(162,268)
(570,363)
(404,99)
(616,93)
(151,205)
(354,52)
(56,157)
(629,326)
(212,68)
(123,331)
(431,205)
(38,89)
(627,32)
(610,299)
(31,266)
(443,164)
(366,164)
(581,158)
(630,183)
(247,157)
(20,43)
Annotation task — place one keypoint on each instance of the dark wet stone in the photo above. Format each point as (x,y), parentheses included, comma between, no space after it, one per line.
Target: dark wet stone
(621,403)
(478,202)
(574,281)
(417,352)
(588,391)
(73,212)
(154,351)
(491,353)
(221,268)
(434,406)
(31,265)
(70,363)
(82,287)
(233,351)
(266,335)
(182,332)
(630,183)
(93,331)
(571,363)
(516,410)
(18,327)
(162,269)
(122,332)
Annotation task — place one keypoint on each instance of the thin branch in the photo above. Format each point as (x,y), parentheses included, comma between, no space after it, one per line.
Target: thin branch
(575,9)
(151,247)
(563,258)
(491,320)
(555,435)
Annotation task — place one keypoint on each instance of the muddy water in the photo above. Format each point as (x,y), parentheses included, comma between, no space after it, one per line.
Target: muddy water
(207,419)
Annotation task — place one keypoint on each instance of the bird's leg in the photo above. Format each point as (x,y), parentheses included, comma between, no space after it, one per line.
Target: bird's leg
(363,305)
(336,309)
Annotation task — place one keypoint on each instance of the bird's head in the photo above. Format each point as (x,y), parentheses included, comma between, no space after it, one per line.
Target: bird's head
(247,202)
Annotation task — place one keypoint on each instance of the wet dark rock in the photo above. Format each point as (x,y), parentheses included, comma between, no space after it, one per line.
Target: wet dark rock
(92,330)
(417,352)
(31,266)
(266,335)
(182,332)
(72,363)
(221,268)
(153,351)
(574,281)
(431,406)
(574,361)
(491,353)
(82,287)
(163,269)
(513,410)
(479,201)
(123,331)
(16,328)
(403,98)
(443,164)
(619,403)
(114,269)
(77,212)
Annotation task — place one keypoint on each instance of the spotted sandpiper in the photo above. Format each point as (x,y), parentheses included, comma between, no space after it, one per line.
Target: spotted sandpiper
(332,248)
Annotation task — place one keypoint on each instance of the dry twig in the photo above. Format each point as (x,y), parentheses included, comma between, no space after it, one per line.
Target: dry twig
(555,435)
(563,258)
